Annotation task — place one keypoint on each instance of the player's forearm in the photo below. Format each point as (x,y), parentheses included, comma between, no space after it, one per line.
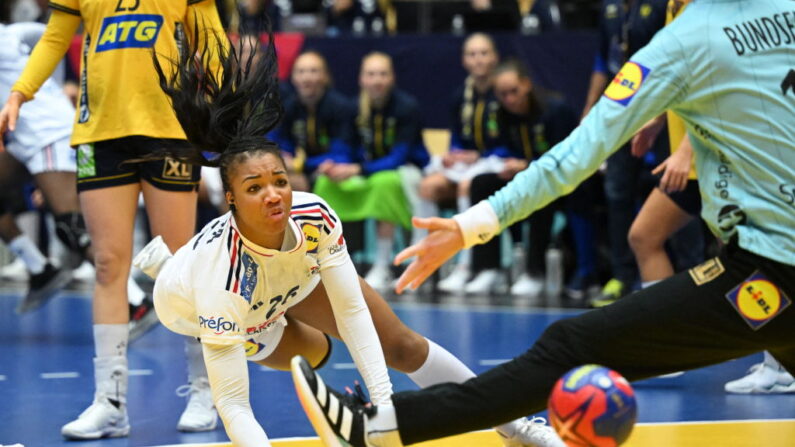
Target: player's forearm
(357,330)
(48,53)
(228,375)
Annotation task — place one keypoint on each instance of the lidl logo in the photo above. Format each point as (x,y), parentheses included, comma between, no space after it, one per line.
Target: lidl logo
(129,31)
(626,83)
(253,347)
(312,235)
(758,300)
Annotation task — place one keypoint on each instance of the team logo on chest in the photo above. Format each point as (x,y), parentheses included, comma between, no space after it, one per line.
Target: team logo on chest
(312,236)
(249,280)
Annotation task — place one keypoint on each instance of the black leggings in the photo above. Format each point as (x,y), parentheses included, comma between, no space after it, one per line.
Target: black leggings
(672,326)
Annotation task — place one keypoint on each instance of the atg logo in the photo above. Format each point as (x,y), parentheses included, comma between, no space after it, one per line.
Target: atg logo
(129,31)
(626,83)
(218,326)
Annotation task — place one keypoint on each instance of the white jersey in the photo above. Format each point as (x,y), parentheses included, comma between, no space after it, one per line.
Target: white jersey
(225,289)
(48,117)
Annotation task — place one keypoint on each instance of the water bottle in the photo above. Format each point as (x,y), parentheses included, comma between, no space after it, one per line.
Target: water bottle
(530,25)
(458,25)
(377,26)
(359,27)
(554,277)
(517,261)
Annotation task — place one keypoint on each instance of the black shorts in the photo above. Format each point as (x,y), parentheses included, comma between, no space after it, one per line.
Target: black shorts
(104,164)
(689,199)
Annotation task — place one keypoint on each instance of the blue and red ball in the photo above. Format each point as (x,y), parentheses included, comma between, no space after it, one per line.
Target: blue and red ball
(593,406)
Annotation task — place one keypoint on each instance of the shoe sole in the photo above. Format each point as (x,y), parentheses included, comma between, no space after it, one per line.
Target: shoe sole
(313,411)
(37,300)
(114,433)
(189,429)
(773,390)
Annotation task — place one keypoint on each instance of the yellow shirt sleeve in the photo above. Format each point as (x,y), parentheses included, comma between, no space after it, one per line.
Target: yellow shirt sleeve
(48,52)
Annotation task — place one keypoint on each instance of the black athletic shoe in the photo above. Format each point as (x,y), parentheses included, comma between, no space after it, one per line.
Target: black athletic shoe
(338,419)
(43,286)
(142,318)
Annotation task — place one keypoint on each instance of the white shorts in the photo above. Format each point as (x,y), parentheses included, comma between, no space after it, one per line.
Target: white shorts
(261,345)
(54,157)
(460,172)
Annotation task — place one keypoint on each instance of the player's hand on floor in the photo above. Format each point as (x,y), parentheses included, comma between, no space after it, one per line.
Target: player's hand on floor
(444,240)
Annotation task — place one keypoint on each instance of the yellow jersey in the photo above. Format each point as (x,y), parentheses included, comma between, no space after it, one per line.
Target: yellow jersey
(120,93)
(676,127)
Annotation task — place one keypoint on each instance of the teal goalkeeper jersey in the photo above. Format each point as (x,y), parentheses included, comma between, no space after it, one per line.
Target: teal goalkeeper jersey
(727,67)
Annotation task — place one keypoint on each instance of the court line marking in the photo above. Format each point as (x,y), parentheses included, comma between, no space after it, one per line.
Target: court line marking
(139,372)
(727,421)
(315,438)
(61,375)
(344,366)
(492,362)
(2,378)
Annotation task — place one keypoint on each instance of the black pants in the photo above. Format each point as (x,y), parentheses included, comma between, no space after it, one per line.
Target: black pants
(487,256)
(673,326)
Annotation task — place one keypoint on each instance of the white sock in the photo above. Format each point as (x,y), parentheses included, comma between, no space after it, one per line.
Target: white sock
(646,284)
(135,295)
(441,366)
(383,421)
(193,353)
(26,250)
(383,252)
(111,339)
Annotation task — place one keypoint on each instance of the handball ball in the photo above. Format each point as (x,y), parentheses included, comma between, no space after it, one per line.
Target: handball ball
(593,406)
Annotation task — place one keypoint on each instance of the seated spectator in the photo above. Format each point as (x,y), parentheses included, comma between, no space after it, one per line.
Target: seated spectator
(379,186)
(318,122)
(357,16)
(532,121)
(475,145)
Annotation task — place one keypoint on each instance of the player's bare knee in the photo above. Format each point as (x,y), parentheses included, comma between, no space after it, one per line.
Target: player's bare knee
(405,350)
(642,242)
(108,266)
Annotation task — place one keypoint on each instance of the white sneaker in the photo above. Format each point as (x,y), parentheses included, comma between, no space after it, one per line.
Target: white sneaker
(153,256)
(484,282)
(100,420)
(14,271)
(533,433)
(456,280)
(528,286)
(379,277)
(200,413)
(763,378)
(84,272)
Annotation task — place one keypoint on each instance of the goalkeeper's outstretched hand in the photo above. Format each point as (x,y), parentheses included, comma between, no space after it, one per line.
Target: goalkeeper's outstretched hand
(444,240)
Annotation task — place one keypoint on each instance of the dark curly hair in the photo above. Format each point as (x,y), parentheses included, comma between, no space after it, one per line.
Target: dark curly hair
(225,98)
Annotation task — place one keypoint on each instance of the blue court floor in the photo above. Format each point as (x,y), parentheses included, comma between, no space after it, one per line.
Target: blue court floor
(46,373)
